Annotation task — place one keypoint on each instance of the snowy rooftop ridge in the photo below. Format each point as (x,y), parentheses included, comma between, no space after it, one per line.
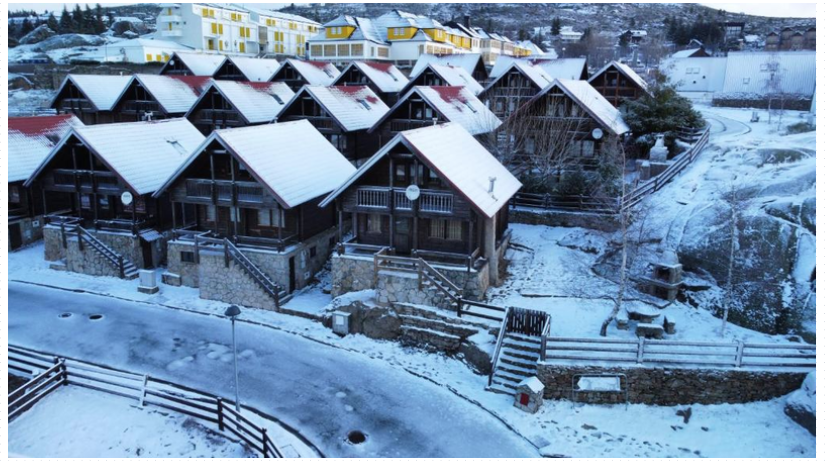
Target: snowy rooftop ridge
(564,68)
(175,94)
(456,104)
(466,61)
(386,76)
(101,90)
(315,73)
(353,107)
(591,102)
(258,102)
(31,139)
(453,75)
(458,158)
(199,64)
(291,159)
(255,69)
(142,154)
(625,70)
(537,75)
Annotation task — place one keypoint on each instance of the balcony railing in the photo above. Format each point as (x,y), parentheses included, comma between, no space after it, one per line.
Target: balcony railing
(246,192)
(373,197)
(430,201)
(171,32)
(435,202)
(170,19)
(69,178)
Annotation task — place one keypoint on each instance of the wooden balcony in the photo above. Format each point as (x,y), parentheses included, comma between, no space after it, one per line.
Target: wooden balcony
(84,180)
(378,198)
(226,191)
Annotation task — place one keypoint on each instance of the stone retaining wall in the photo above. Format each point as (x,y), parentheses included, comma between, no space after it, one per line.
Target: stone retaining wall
(801,104)
(600,222)
(231,285)
(674,386)
(89,261)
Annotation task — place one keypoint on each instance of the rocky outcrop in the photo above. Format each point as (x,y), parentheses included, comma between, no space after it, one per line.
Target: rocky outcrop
(39,34)
(122,26)
(64,41)
(801,404)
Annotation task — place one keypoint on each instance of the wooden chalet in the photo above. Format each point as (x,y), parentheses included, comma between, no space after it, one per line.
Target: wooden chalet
(513,87)
(568,110)
(472,63)
(298,73)
(617,82)
(343,114)
(424,106)
(109,173)
(192,64)
(432,192)
(90,97)
(30,141)
(158,97)
(259,187)
(434,74)
(384,79)
(236,68)
(232,104)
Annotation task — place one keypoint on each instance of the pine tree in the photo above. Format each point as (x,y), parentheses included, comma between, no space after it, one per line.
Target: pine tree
(77,19)
(52,23)
(26,27)
(66,25)
(555,28)
(88,20)
(100,26)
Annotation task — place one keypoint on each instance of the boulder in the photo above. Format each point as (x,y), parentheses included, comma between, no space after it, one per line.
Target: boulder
(801,404)
(39,34)
(64,41)
(130,35)
(133,25)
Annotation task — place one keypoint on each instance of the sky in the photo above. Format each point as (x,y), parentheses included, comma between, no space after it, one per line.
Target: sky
(778,9)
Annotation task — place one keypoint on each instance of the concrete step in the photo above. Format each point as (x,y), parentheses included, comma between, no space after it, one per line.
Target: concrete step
(505,384)
(510,343)
(525,338)
(517,369)
(504,374)
(531,356)
(499,388)
(514,361)
(58,265)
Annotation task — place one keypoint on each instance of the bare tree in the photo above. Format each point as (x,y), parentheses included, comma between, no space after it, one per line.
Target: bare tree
(773,85)
(734,200)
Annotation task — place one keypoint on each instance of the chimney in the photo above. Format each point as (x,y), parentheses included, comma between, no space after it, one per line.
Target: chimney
(492,184)
(467,21)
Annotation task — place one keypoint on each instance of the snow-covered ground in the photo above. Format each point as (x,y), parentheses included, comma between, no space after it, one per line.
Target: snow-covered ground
(74,422)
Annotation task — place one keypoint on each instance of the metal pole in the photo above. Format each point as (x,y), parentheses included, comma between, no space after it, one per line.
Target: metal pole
(235,355)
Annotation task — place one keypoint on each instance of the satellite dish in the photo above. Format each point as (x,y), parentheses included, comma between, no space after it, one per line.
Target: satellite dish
(412,192)
(597,133)
(126,198)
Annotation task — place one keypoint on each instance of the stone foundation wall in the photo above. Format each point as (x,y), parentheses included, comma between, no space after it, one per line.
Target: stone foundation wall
(606,223)
(350,274)
(53,244)
(395,286)
(231,285)
(88,261)
(802,104)
(674,386)
(186,271)
(31,229)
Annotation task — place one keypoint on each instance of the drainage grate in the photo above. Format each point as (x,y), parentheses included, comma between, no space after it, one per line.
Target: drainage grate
(356,437)
(95,317)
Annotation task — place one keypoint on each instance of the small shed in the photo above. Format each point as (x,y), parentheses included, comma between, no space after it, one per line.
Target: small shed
(529,395)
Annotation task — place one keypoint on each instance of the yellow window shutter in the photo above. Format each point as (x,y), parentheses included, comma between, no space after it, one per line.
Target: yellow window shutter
(220,45)
(148,57)
(157,58)
(220,28)
(214,28)
(242,47)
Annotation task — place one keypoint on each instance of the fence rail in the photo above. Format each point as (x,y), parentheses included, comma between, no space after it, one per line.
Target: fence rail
(54,372)
(736,354)
(613,205)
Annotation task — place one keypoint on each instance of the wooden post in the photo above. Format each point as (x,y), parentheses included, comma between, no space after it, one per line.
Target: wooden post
(740,350)
(120,266)
(220,413)
(640,351)
(226,252)
(263,442)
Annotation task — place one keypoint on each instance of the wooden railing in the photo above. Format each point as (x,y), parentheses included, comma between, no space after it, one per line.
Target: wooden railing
(104,250)
(224,190)
(145,389)
(232,252)
(499,341)
(373,197)
(736,354)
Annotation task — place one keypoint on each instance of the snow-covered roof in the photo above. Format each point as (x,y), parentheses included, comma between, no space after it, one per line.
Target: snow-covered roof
(532,47)
(275,14)
(401,19)
(198,64)
(142,154)
(365,29)
(566,69)
(353,107)
(453,76)
(257,102)
(591,102)
(32,138)
(625,70)
(537,75)
(385,76)
(468,62)
(101,90)
(685,53)
(454,103)
(696,74)
(175,94)
(459,159)
(315,73)
(256,69)
(292,160)
(750,73)
(533,383)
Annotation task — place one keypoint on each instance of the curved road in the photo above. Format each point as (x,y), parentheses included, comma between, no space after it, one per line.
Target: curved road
(322,391)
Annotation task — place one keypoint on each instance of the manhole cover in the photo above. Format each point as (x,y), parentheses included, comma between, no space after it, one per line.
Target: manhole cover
(65,315)
(356,437)
(95,317)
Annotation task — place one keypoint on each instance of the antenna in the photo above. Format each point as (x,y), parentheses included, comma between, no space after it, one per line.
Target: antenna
(147,116)
(492,184)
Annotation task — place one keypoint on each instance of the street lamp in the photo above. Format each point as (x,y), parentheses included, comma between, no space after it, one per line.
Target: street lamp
(232,312)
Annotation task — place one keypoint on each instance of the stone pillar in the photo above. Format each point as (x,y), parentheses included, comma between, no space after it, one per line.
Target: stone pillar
(489,249)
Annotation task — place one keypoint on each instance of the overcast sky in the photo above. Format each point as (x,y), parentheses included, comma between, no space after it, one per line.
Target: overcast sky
(795,10)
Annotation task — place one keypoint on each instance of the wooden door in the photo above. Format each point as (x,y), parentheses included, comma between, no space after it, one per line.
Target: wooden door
(403,235)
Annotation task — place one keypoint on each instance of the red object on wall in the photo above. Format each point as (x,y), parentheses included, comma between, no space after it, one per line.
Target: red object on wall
(524,399)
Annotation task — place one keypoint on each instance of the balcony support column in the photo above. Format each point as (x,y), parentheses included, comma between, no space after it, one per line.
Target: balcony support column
(490,248)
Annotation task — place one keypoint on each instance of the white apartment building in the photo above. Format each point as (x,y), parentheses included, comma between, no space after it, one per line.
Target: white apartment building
(234,29)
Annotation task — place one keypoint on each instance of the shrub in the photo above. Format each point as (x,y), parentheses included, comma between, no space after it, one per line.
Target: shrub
(800,127)
(663,111)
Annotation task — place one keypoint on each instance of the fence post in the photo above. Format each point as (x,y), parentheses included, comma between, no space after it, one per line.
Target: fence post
(263,442)
(740,350)
(79,240)
(63,233)
(63,372)
(142,398)
(420,269)
(220,413)
(640,352)
(121,267)
(197,249)
(458,304)
(226,253)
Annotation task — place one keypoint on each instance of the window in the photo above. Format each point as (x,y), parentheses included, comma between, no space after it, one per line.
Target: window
(270,218)
(14,194)
(437,228)
(85,202)
(357,50)
(148,57)
(343,50)
(401,173)
(316,51)
(374,224)
(187,257)
(329,50)
(448,229)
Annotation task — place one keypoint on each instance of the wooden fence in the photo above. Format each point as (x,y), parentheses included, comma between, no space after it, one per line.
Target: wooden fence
(738,354)
(613,205)
(147,390)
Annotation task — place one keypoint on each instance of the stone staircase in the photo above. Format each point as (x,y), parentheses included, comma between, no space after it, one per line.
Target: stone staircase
(234,254)
(421,325)
(517,361)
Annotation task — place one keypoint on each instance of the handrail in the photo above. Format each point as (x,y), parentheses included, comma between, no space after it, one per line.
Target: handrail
(114,258)
(496,354)
(272,288)
(545,333)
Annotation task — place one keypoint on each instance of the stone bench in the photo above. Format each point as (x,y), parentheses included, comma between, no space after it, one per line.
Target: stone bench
(650,330)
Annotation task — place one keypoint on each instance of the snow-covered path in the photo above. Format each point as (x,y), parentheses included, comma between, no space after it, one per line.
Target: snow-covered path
(323,391)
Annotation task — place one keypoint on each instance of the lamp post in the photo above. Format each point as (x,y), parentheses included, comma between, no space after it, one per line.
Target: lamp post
(232,312)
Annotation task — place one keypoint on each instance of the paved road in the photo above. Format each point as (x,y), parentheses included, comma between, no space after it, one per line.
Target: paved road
(323,391)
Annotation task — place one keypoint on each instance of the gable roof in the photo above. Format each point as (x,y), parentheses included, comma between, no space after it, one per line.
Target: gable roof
(142,154)
(468,62)
(102,91)
(454,76)
(365,29)
(563,68)
(198,64)
(352,107)
(537,75)
(625,70)
(385,76)
(591,102)
(255,69)
(32,138)
(458,158)
(454,103)
(292,160)
(257,102)
(685,53)
(175,94)
(314,73)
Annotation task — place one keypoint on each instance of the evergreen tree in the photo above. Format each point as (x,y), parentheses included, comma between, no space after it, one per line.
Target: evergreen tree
(100,26)
(632,22)
(555,28)
(88,20)
(66,25)
(52,23)
(26,27)
(522,34)
(77,19)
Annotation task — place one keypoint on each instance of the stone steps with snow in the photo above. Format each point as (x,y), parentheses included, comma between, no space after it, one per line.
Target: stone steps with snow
(531,356)
(498,387)
(462,331)
(515,361)
(527,346)
(58,265)
(418,336)
(517,369)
